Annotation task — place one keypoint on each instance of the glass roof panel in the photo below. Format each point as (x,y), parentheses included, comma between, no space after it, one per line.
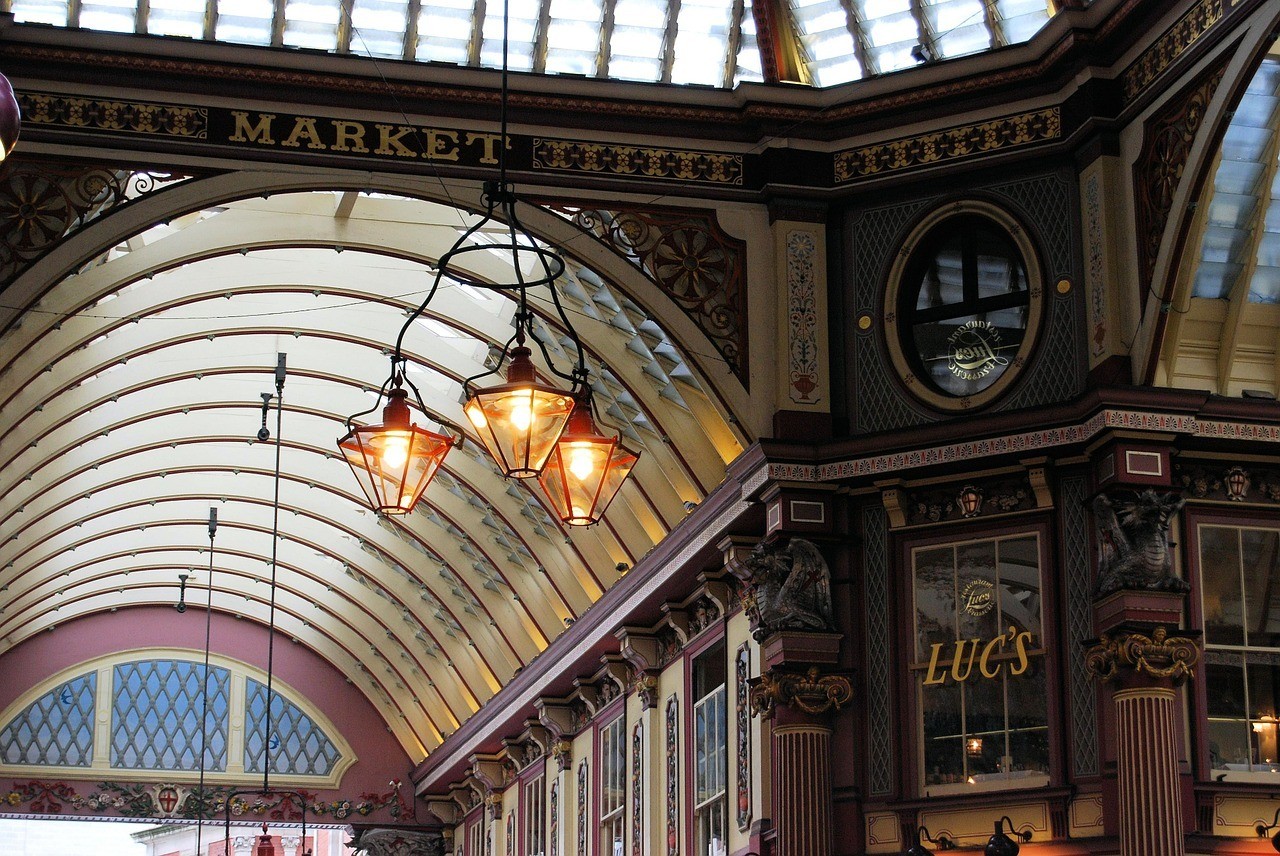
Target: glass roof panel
(1021,19)
(1242,211)
(115,16)
(377,27)
(444,31)
(891,32)
(176,18)
(702,42)
(959,27)
(573,36)
(245,21)
(312,24)
(824,32)
(522,30)
(639,29)
(53,12)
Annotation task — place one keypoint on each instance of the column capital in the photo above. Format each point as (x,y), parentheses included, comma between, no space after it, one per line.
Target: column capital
(1133,654)
(812,692)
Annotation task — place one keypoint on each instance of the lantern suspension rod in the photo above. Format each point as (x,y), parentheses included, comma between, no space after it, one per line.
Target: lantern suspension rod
(275,546)
(204,695)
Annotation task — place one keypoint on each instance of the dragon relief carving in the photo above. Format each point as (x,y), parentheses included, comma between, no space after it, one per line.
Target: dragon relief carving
(789,588)
(1134,551)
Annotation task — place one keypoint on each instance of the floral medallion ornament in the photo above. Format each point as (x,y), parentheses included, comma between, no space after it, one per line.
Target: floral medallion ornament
(637,790)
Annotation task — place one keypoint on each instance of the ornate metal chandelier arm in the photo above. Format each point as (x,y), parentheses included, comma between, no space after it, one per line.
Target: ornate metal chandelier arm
(517,337)
(381,393)
(580,374)
(444,423)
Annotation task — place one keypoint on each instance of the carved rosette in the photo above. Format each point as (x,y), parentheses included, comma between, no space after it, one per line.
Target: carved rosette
(1158,655)
(812,692)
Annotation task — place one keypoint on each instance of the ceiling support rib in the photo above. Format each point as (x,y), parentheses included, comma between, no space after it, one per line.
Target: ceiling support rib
(669,40)
(211,19)
(1234,324)
(345,26)
(735,43)
(540,37)
(410,48)
(277,23)
(1181,304)
(861,44)
(477,33)
(604,53)
(140,15)
(927,37)
(995,24)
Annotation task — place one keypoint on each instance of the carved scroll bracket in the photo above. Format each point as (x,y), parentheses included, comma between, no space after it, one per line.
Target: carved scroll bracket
(812,692)
(1158,655)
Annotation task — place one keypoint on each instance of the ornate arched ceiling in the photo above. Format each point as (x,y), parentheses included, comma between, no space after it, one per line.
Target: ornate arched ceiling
(1223,317)
(131,396)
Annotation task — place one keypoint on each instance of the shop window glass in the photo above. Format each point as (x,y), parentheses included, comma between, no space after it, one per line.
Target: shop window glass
(535,816)
(710,746)
(1239,582)
(979,665)
(613,788)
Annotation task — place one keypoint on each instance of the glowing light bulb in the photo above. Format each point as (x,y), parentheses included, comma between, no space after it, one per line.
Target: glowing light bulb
(476,415)
(578,512)
(522,413)
(395,451)
(581,462)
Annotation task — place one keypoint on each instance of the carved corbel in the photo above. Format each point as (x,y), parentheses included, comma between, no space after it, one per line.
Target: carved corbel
(493,807)
(556,716)
(586,693)
(640,648)
(894,500)
(1037,475)
(1158,655)
(813,693)
(534,731)
(445,809)
(646,687)
(678,620)
(490,772)
(562,750)
(719,591)
(615,669)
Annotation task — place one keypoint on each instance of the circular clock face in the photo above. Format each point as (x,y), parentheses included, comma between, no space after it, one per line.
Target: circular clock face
(964,306)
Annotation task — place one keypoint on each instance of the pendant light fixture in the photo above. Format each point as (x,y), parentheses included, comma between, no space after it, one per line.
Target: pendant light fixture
(586,468)
(520,422)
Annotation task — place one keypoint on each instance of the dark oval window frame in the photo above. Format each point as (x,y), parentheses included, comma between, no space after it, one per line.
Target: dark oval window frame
(904,282)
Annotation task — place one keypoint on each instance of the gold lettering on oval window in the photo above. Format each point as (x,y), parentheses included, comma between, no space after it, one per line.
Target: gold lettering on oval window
(978,597)
(973,350)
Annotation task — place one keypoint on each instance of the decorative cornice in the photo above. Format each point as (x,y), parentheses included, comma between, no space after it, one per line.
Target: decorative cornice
(1173,43)
(956,143)
(550,155)
(1158,655)
(811,692)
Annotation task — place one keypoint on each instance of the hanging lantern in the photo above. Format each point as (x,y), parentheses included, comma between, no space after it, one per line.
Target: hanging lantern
(519,421)
(10,118)
(1237,484)
(970,501)
(395,461)
(973,747)
(586,468)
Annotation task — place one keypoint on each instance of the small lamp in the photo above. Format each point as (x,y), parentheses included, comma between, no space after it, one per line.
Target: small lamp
(586,468)
(1263,830)
(918,849)
(10,118)
(1001,844)
(396,460)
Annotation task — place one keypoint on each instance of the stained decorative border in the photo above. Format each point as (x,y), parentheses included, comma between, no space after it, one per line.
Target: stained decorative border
(742,713)
(962,141)
(637,790)
(802,318)
(1028,441)
(602,158)
(582,807)
(673,778)
(1172,44)
(101,114)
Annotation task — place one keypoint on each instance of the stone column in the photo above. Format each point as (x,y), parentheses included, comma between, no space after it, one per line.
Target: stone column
(1144,664)
(800,705)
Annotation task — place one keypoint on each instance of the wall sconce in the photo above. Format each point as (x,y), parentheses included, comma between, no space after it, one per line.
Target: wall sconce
(970,501)
(918,849)
(1237,483)
(1001,844)
(1263,830)
(181,605)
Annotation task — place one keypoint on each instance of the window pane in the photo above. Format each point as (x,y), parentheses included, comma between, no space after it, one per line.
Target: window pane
(1261,577)
(976,583)
(1020,587)
(935,599)
(1228,730)
(1028,721)
(943,734)
(1220,586)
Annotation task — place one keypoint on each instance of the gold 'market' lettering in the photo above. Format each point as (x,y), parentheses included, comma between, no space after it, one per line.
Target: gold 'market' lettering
(389,144)
(259,133)
(304,128)
(488,141)
(350,137)
(442,145)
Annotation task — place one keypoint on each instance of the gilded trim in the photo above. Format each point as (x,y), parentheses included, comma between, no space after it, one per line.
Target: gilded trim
(1159,655)
(957,143)
(130,117)
(601,158)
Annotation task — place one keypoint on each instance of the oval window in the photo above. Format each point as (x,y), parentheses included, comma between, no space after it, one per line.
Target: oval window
(966,305)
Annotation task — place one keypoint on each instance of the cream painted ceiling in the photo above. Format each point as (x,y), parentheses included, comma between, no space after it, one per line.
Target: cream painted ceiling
(130,397)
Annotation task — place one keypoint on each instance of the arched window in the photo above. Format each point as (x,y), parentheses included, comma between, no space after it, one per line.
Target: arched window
(142,711)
